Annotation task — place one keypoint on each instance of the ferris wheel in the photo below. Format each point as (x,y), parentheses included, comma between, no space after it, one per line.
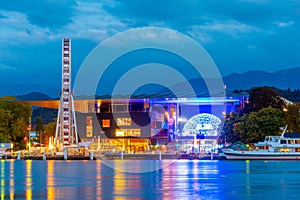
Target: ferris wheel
(66,128)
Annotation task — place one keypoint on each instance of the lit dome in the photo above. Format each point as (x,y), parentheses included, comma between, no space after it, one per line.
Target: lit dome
(204,124)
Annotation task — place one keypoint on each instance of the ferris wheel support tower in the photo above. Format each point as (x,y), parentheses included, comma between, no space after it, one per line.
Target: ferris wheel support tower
(66,129)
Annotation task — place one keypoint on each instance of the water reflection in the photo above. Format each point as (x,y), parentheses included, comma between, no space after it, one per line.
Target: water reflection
(182,179)
(192,179)
(119,184)
(98,179)
(2,179)
(11,181)
(248,186)
(50,180)
(28,181)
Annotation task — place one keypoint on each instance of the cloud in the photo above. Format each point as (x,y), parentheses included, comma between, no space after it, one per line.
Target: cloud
(88,21)
(43,13)
(283,24)
(92,22)
(97,21)
(81,20)
(175,14)
(232,28)
(1,16)
(16,29)
(183,15)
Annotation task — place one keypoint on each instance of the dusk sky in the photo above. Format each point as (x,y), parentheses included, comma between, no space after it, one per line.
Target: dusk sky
(240,35)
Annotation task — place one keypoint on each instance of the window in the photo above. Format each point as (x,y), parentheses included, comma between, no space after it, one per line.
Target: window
(291,141)
(134,132)
(105,123)
(104,108)
(282,141)
(120,108)
(89,121)
(124,121)
(120,133)
(128,132)
(137,107)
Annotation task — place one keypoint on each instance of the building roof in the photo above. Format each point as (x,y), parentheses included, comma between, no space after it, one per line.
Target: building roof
(292,135)
(240,146)
(287,102)
(81,103)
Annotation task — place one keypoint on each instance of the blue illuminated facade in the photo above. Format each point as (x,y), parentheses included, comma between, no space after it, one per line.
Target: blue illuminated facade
(145,124)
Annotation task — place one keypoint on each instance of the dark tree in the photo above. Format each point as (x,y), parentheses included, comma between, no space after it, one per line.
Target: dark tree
(228,135)
(46,114)
(292,117)
(256,126)
(39,129)
(263,97)
(49,131)
(15,122)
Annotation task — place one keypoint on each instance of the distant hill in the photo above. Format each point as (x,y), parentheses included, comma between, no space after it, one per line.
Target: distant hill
(46,114)
(282,79)
(33,96)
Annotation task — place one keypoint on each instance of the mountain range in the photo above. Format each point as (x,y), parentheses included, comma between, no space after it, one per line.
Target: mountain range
(283,79)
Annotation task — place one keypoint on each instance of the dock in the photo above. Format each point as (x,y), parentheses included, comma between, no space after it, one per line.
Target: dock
(120,156)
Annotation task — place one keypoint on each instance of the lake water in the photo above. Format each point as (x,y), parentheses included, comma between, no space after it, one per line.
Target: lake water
(181,179)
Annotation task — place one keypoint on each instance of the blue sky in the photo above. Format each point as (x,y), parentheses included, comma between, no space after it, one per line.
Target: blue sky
(239,35)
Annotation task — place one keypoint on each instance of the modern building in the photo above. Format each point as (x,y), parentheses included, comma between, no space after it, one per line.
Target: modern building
(168,124)
(148,124)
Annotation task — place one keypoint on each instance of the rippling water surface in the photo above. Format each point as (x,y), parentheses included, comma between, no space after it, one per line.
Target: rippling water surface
(182,179)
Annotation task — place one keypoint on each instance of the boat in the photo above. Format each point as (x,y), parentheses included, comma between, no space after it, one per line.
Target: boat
(283,147)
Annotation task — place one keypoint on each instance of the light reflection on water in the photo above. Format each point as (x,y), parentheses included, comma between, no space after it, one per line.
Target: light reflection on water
(50,180)
(2,180)
(183,179)
(11,182)
(28,179)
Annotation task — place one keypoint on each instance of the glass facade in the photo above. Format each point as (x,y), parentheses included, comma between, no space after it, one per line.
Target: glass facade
(189,125)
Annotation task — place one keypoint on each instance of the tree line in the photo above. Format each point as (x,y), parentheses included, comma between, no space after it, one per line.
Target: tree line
(263,115)
(14,123)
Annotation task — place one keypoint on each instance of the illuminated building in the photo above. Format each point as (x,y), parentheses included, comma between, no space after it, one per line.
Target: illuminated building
(178,124)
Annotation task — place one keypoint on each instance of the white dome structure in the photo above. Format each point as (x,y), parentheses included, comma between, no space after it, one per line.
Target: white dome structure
(204,124)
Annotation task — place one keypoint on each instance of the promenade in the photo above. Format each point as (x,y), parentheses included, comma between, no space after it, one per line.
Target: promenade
(119,156)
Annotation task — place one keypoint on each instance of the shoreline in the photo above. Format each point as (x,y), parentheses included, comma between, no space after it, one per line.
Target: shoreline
(122,156)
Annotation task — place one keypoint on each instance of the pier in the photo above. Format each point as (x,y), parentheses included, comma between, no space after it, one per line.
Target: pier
(117,156)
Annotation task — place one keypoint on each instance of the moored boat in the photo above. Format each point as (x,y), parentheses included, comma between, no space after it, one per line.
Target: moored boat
(284,147)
